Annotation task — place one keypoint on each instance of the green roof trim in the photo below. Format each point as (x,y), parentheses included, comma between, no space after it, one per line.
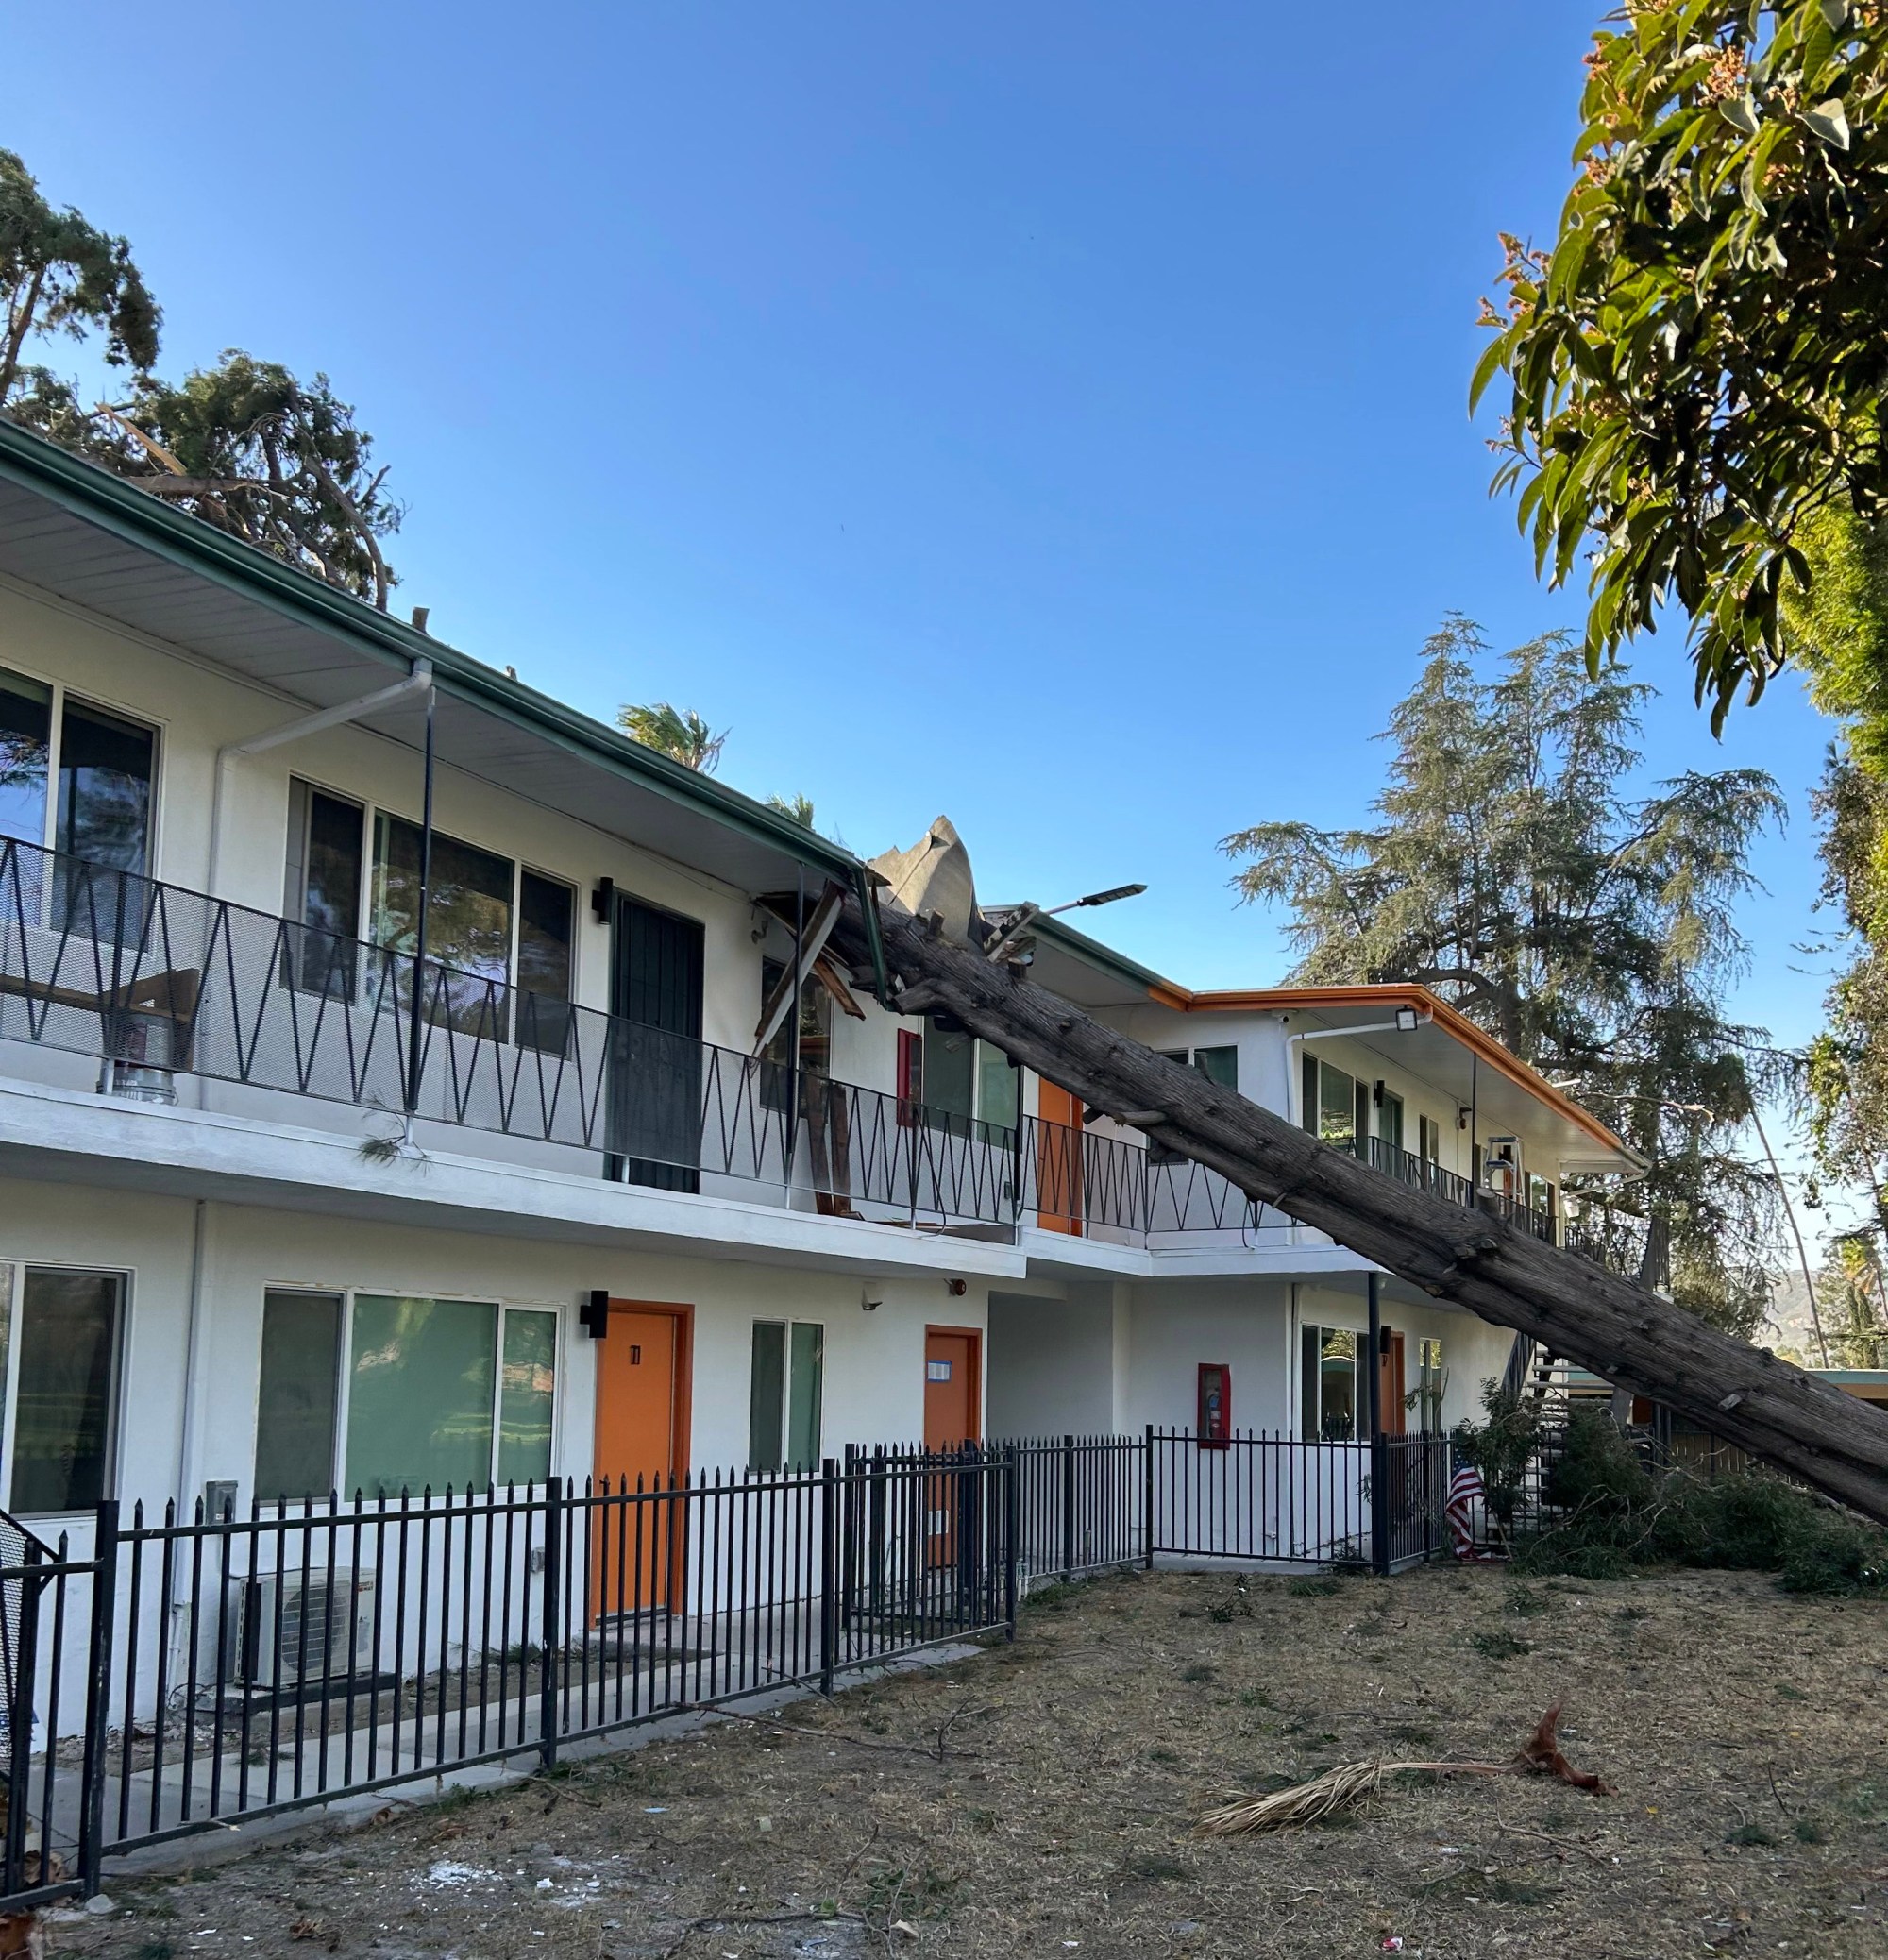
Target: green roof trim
(1094,953)
(94,494)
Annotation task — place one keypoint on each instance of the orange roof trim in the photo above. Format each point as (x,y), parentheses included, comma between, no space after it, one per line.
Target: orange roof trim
(1390,994)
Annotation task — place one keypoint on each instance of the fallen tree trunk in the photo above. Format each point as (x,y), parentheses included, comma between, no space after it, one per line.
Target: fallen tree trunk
(1610,1325)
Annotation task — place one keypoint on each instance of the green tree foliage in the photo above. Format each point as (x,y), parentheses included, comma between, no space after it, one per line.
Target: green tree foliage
(1854,1301)
(247,447)
(1697,364)
(680,734)
(1609,1514)
(797,808)
(1837,633)
(61,278)
(243,446)
(1589,927)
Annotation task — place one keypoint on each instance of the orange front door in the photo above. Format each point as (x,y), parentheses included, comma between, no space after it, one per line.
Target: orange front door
(950,1397)
(1059,1159)
(1391,1389)
(952,1363)
(638,1442)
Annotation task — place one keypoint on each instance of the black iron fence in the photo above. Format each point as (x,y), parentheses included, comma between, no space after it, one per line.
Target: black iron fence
(194,1670)
(155,982)
(56,1628)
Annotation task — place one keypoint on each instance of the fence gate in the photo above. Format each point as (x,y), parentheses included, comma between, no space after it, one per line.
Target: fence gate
(53,1715)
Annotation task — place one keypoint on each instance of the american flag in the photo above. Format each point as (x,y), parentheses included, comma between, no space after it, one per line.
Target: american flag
(1465,1493)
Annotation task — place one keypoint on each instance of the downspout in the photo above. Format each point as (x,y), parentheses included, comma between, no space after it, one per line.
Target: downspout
(416,681)
(189,1433)
(425,905)
(869,910)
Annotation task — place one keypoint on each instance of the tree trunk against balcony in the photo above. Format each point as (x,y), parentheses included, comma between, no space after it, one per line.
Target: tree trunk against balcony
(1618,1328)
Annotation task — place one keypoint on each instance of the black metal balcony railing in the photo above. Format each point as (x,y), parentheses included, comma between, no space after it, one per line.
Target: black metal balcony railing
(1408,1168)
(156,981)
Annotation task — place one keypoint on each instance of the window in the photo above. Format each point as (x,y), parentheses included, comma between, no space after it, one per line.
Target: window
(106,767)
(298,1400)
(527,1395)
(1429,1139)
(1389,1121)
(321,889)
(546,940)
(96,786)
(1218,1065)
(1541,1196)
(447,1393)
(999,1091)
(468,917)
(957,1077)
(65,1326)
(785,1392)
(1430,1383)
(26,756)
(816,1034)
(950,1073)
(909,1083)
(1335,1104)
(1328,1395)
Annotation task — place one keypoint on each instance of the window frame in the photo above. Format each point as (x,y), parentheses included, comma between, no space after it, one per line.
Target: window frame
(18,1265)
(1432,1383)
(1311,1421)
(160,728)
(344,1403)
(1158,1153)
(786,1467)
(338,1376)
(372,810)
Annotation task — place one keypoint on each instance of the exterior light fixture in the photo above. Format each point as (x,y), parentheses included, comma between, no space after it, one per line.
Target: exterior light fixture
(1097,898)
(1406,1020)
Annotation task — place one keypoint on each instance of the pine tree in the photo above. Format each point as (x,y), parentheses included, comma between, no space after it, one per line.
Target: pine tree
(1514,868)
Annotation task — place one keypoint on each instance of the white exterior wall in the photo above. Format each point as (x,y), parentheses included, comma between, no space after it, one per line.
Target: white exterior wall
(1056,1361)
(874,1362)
(198,709)
(1269,1060)
(1101,1358)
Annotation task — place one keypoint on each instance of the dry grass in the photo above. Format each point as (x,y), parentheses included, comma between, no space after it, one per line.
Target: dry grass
(1741,1729)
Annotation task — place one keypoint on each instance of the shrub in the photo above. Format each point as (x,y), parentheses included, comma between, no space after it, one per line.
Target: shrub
(1617,1515)
(1500,1449)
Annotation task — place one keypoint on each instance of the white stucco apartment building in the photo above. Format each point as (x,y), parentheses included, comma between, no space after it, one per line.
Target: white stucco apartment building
(277,1217)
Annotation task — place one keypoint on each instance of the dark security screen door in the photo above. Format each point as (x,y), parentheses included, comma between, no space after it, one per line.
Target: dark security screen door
(656,1085)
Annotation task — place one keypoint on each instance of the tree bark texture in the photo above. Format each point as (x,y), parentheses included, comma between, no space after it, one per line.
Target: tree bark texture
(1610,1325)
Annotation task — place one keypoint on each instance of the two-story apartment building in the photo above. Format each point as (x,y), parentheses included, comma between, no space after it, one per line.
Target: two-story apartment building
(307,1183)
(1206,1288)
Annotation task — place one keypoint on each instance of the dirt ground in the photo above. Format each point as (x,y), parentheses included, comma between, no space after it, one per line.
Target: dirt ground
(1741,1729)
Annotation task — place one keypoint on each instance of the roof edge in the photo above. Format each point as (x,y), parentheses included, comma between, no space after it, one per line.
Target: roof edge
(1406,994)
(95,493)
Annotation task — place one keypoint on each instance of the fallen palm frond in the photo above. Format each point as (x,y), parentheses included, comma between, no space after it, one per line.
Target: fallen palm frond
(1353,1783)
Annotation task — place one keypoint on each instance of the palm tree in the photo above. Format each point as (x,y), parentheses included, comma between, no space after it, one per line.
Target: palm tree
(677,733)
(796,809)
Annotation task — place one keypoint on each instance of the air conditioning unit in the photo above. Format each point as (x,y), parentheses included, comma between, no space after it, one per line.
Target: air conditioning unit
(290,1630)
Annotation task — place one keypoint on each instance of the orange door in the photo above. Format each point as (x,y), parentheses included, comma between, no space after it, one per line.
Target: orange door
(951,1387)
(638,1438)
(952,1401)
(1391,1384)
(1059,1159)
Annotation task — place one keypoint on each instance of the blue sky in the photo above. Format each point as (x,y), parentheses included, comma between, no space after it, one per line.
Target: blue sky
(1054,415)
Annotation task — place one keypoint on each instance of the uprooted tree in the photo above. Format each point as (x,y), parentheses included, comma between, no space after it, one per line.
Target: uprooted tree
(1618,1328)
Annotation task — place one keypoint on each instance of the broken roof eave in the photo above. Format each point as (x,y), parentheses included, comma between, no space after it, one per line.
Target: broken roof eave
(73,529)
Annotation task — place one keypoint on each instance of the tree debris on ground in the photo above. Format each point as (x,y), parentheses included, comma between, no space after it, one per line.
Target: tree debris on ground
(1353,1783)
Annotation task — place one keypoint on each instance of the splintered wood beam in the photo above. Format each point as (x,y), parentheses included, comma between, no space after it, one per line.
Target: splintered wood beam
(1618,1328)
